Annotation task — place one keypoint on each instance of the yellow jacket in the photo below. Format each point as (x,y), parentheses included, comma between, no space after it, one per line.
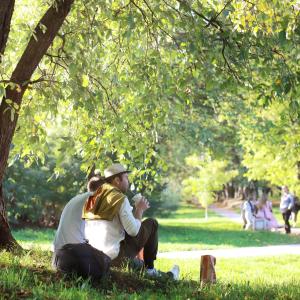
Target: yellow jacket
(104,204)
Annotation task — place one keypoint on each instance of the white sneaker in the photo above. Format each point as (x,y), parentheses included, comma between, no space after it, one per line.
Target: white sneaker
(175,272)
(153,272)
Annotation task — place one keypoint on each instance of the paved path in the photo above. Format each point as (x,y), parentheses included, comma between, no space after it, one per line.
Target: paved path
(234,252)
(227,213)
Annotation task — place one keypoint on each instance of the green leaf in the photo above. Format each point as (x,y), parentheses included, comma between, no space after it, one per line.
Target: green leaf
(85,80)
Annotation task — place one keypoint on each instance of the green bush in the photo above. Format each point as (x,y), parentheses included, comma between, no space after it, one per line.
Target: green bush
(35,196)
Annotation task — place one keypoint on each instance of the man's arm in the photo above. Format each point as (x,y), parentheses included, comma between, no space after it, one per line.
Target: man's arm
(130,223)
(141,206)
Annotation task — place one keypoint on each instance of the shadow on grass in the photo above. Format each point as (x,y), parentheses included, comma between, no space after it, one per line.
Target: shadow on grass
(118,281)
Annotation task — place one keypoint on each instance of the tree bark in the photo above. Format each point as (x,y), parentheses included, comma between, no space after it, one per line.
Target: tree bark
(6,11)
(229,190)
(7,241)
(11,103)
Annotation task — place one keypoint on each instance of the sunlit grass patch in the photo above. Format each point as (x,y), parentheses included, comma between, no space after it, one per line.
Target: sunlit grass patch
(30,276)
(184,229)
(35,238)
(187,229)
(276,277)
(276,269)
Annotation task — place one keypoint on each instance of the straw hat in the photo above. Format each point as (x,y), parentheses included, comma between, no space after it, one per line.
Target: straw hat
(115,169)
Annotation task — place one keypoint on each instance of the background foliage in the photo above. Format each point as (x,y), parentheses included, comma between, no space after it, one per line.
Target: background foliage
(148,83)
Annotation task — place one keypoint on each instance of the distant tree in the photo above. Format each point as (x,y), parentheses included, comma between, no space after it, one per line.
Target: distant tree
(271,146)
(207,177)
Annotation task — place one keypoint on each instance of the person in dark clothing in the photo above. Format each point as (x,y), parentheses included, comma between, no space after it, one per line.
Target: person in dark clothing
(286,206)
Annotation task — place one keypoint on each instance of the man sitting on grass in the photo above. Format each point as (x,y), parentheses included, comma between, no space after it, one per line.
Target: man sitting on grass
(112,227)
(72,254)
(71,226)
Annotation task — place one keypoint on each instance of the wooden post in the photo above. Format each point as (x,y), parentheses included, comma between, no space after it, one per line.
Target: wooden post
(207,270)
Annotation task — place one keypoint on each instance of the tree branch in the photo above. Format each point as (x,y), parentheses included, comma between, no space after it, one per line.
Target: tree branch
(226,61)
(214,19)
(141,11)
(38,44)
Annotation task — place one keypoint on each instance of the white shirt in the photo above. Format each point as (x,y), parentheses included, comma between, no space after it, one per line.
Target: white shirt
(71,225)
(107,235)
(248,208)
(287,202)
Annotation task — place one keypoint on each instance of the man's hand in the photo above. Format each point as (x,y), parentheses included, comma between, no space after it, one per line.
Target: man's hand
(140,207)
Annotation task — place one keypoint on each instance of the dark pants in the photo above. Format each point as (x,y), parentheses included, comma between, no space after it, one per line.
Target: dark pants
(83,260)
(295,211)
(286,216)
(147,238)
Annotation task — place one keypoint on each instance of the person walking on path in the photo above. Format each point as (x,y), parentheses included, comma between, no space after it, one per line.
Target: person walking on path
(112,226)
(286,205)
(249,210)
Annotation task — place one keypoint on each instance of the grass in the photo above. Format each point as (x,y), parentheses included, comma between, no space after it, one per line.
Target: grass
(275,277)
(185,229)
(35,238)
(29,276)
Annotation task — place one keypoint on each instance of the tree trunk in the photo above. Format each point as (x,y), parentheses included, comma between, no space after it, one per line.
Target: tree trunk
(10,105)
(6,11)
(240,193)
(7,241)
(229,190)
